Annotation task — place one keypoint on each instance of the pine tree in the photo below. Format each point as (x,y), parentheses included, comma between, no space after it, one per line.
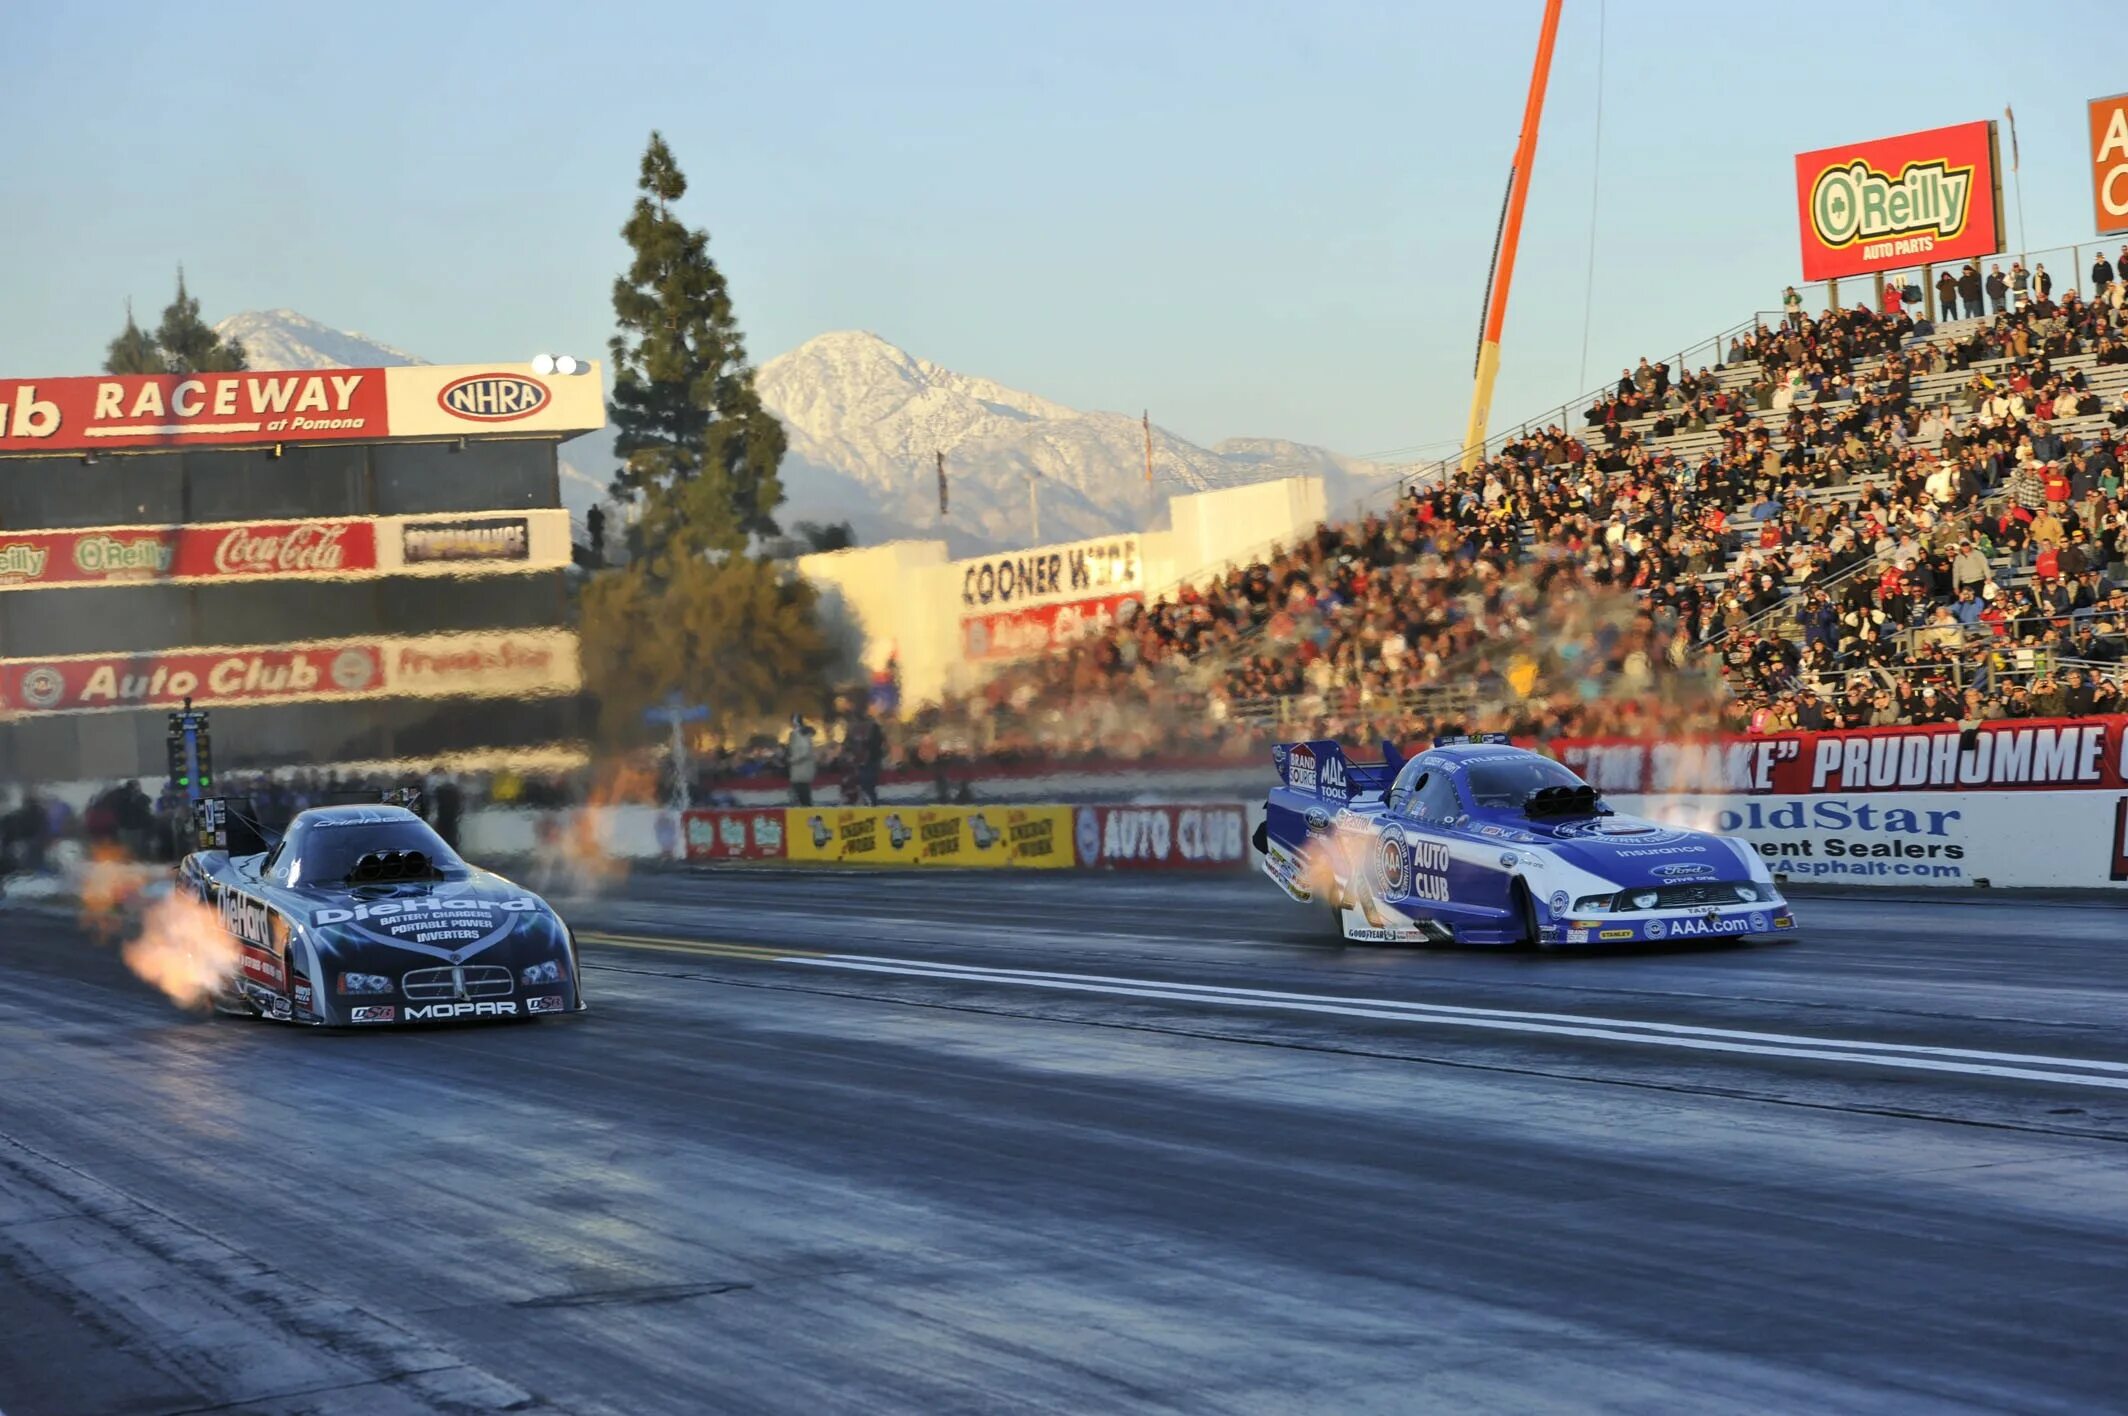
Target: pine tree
(189,345)
(700,610)
(134,351)
(699,448)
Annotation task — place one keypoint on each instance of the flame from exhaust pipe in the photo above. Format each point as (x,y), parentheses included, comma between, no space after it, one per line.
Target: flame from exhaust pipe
(182,949)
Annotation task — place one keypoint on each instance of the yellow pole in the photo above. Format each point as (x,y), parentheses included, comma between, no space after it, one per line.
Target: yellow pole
(1481,397)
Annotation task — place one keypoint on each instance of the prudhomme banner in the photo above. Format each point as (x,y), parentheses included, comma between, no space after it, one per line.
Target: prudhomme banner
(2007,756)
(755,833)
(484,664)
(1181,837)
(135,412)
(1892,203)
(321,548)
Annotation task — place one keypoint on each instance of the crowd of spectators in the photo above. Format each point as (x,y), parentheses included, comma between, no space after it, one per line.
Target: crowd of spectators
(1793,538)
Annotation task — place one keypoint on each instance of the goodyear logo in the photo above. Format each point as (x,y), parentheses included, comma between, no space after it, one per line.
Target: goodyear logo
(493,398)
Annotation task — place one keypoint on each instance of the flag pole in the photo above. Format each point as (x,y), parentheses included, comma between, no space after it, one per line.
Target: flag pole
(2017,180)
(1503,272)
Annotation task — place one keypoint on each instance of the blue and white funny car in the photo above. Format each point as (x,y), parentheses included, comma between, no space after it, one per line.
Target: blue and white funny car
(1476,841)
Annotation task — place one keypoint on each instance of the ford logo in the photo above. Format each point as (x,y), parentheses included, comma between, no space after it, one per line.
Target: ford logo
(493,398)
(1672,872)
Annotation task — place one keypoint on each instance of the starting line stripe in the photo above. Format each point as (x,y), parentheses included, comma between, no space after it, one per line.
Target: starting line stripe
(2109,1075)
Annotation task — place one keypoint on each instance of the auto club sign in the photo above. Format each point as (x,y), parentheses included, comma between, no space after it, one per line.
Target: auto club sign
(478,665)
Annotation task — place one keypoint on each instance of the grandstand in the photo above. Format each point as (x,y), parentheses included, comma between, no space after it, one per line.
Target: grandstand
(1797,518)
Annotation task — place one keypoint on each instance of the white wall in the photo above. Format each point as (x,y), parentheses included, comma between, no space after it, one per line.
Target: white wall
(907,597)
(1908,840)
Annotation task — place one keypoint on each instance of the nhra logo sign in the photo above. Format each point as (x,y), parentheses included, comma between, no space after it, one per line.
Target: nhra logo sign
(493,398)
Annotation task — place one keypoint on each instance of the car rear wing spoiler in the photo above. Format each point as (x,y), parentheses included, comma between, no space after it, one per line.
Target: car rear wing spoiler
(1320,768)
(229,824)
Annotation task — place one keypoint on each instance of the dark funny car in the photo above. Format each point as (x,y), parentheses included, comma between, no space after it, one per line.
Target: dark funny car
(363,916)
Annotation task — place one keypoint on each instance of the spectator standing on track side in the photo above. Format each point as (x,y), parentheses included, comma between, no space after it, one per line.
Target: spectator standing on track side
(802,763)
(1947,295)
(866,747)
(2042,281)
(1969,290)
(1792,308)
(2020,280)
(2101,276)
(1998,290)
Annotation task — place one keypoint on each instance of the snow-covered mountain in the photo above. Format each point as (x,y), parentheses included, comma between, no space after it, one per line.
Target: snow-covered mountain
(284,339)
(866,419)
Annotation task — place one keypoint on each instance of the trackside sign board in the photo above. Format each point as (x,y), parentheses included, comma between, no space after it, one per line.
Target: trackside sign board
(2109,163)
(141,412)
(1892,203)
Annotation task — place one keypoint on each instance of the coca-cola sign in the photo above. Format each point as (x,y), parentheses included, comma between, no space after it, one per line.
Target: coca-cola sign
(311,548)
(127,554)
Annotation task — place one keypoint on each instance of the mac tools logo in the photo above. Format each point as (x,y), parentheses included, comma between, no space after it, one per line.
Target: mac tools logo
(493,398)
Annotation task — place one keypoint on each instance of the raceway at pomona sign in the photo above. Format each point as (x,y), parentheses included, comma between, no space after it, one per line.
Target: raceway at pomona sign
(142,412)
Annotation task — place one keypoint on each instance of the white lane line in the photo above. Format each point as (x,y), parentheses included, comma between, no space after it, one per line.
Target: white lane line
(1967,1062)
(1414,1006)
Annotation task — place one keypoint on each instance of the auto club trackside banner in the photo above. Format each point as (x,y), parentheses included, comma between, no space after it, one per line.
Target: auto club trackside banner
(321,548)
(1029,602)
(1183,837)
(133,412)
(1895,203)
(484,664)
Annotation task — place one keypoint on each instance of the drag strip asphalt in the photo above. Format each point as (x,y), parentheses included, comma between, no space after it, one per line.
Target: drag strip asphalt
(857,1143)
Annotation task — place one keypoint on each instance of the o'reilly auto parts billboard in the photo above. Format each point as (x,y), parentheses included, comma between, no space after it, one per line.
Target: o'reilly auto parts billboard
(2109,163)
(1893,203)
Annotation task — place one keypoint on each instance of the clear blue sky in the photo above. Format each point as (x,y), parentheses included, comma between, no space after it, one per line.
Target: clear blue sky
(1254,219)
